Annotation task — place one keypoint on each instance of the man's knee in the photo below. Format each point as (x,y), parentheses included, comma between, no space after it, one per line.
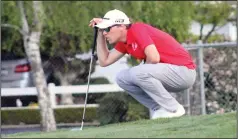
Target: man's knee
(137,76)
(122,77)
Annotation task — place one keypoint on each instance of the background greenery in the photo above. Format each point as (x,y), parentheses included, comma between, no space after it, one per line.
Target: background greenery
(66,33)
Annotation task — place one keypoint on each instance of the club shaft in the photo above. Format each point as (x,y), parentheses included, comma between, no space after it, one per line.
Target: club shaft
(86,98)
(89,74)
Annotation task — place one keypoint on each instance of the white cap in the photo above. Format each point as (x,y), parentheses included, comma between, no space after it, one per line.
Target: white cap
(113,17)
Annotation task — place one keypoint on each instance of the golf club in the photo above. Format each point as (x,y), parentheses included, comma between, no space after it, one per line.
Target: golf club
(89,75)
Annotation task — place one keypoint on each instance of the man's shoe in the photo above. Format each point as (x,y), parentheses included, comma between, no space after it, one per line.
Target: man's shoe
(163,113)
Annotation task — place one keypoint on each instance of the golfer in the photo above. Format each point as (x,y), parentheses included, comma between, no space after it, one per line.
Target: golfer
(167,67)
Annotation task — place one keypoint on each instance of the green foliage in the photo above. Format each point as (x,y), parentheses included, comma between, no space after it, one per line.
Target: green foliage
(32,116)
(213,38)
(72,115)
(10,15)
(14,117)
(215,13)
(173,17)
(113,107)
(120,107)
(193,38)
(136,111)
(175,21)
(12,39)
(70,18)
(99,80)
(66,30)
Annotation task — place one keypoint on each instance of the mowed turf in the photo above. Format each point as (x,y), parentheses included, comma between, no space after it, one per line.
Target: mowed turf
(207,126)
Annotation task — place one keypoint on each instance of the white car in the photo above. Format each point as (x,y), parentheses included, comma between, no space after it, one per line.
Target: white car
(16,73)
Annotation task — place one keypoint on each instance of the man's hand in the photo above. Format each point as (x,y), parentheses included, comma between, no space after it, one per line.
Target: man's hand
(94,21)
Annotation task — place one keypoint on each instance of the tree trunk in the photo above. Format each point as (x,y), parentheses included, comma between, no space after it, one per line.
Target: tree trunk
(31,45)
(47,114)
(201,35)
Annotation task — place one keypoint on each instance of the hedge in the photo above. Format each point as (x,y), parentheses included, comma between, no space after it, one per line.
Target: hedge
(32,116)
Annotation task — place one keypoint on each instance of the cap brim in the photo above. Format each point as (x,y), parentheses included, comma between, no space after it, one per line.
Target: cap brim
(104,24)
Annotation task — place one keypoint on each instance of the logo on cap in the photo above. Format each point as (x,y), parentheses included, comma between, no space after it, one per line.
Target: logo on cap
(119,20)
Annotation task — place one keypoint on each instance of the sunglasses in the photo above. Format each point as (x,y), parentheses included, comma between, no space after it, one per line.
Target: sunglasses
(108,28)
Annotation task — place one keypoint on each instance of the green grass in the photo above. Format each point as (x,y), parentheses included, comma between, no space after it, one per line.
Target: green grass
(208,126)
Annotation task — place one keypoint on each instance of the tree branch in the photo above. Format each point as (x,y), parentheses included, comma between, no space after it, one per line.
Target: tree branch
(201,35)
(38,15)
(210,32)
(14,27)
(220,27)
(25,26)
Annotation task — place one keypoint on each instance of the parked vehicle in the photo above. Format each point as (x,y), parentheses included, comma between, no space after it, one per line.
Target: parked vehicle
(16,72)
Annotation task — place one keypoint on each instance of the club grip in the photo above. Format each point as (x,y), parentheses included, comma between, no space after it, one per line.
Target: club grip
(94,39)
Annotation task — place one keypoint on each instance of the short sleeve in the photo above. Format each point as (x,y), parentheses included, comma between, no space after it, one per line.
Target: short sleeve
(121,47)
(142,36)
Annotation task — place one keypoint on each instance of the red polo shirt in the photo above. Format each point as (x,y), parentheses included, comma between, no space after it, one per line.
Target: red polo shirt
(140,35)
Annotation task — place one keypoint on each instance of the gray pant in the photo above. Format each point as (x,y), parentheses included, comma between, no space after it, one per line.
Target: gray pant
(150,84)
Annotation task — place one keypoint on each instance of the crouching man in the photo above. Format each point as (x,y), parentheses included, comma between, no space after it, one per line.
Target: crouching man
(168,66)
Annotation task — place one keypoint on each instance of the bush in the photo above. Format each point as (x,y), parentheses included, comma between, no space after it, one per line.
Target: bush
(211,39)
(112,108)
(99,80)
(120,107)
(136,111)
(216,38)
(32,116)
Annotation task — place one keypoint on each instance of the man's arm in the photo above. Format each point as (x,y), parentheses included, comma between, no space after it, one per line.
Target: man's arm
(152,55)
(105,56)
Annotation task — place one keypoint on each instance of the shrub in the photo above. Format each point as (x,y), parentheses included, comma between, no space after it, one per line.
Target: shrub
(120,107)
(112,108)
(32,116)
(136,111)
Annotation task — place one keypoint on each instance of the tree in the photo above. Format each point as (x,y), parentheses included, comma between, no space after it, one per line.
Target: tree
(64,34)
(65,31)
(173,17)
(31,37)
(216,13)
(67,34)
